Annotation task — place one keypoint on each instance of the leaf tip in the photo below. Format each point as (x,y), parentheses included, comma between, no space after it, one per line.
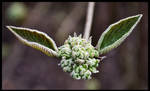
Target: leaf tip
(10,27)
(139,16)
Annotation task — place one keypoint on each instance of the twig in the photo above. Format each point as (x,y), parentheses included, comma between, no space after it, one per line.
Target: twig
(89,19)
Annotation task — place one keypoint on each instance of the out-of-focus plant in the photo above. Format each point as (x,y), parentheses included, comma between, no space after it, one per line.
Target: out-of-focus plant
(5,48)
(17,12)
(78,56)
(92,84)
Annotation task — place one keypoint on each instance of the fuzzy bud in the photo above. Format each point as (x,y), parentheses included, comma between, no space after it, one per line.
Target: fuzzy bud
(78,57)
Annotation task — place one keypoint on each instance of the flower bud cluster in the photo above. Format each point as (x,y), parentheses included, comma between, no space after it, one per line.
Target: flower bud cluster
(78,57)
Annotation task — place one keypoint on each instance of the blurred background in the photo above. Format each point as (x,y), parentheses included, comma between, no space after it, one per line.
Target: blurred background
(23,67)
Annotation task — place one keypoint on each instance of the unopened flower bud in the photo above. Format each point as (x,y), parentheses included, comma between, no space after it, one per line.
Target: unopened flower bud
(78,57)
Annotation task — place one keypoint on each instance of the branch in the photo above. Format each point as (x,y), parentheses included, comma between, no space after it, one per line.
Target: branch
(89,18)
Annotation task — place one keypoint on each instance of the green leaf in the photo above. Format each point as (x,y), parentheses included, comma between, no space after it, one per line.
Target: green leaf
(116,33)
(35,39)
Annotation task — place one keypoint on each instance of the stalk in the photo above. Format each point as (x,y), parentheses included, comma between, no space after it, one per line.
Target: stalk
(89,18)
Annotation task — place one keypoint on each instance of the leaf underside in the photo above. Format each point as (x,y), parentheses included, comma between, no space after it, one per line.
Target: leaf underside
(116,33)
(35,39)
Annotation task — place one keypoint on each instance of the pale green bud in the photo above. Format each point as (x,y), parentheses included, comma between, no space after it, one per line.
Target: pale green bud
(78,57)
(87,75)
(93,69)
(67,69)
(80,61)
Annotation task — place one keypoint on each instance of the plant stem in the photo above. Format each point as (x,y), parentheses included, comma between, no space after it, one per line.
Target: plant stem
(89,18)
